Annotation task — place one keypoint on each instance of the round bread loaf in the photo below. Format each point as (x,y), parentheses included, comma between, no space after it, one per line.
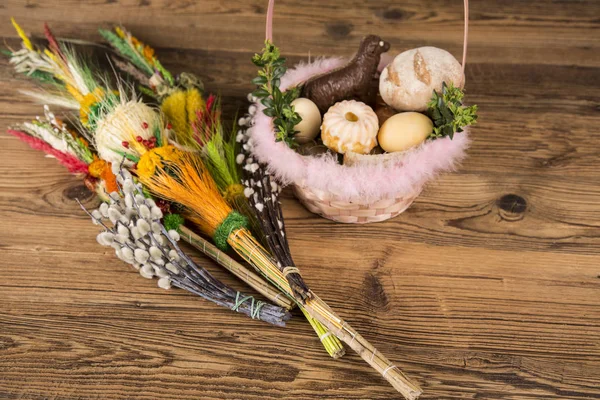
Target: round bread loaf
(408,82)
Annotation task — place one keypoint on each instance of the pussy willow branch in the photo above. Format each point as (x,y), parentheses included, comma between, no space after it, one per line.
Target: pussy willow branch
(180,270)
(265,201)
(263,195)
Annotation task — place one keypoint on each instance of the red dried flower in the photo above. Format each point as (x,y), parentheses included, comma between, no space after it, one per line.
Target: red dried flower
(210,101)
(164,206)
(90,182)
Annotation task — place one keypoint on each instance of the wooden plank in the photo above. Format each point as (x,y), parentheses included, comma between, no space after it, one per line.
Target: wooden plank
(486,288)
(531,32)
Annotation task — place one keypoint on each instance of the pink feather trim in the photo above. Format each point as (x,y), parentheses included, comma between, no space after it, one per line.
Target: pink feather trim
(72,163)
(357,183)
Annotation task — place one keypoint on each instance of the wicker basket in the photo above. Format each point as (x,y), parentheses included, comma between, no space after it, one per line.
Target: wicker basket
(369,202)
(371,197)
(326,205)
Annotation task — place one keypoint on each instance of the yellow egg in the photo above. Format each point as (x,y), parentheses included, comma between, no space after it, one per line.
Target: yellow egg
(309,127)
(403,131)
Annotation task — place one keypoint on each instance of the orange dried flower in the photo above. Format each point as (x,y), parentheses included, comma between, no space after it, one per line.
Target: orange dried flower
(149,53)
(102,170)
(96,167)
(135,41)
(110,180)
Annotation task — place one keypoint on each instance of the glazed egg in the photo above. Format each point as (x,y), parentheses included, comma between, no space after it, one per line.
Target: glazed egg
(403,131)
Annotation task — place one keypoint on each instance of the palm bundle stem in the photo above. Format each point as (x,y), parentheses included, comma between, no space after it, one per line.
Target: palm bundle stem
(156,253)
(243,242)
(264,196)
(279,297)
(50,136)
(252,279)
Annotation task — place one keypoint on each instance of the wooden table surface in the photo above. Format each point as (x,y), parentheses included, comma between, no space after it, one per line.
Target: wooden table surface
(488,287)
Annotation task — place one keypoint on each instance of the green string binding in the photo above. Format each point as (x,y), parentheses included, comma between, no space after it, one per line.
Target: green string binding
(254,309)
(233,222)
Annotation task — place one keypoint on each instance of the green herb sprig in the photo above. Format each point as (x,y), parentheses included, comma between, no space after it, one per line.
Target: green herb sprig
(448,113)
(277,104)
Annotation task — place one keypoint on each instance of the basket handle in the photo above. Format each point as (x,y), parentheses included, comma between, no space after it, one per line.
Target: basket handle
(465,36)
(269,29)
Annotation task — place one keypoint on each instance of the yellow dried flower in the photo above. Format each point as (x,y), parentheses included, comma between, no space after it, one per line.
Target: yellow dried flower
(174,108)
(22,35)
(96,167)
(120,32)
(154,158)
(74,92)
(194,103)
(181,108)
(87,102)
(232,192)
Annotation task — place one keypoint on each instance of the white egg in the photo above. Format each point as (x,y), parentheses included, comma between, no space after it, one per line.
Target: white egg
(309,127)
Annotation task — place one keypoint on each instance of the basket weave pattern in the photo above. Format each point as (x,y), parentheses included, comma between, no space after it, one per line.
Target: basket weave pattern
(327,206)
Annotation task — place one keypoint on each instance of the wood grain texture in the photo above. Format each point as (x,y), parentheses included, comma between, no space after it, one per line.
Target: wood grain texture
(488,287)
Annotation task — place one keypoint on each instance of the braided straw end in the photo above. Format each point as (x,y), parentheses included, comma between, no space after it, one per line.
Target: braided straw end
(327,206)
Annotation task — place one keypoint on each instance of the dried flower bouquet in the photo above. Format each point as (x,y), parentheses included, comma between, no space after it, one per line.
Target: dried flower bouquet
(128,131)
(197,127)
(137,233)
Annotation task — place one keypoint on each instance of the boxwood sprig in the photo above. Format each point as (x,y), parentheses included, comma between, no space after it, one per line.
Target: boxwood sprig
(448,113)
(277,104)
